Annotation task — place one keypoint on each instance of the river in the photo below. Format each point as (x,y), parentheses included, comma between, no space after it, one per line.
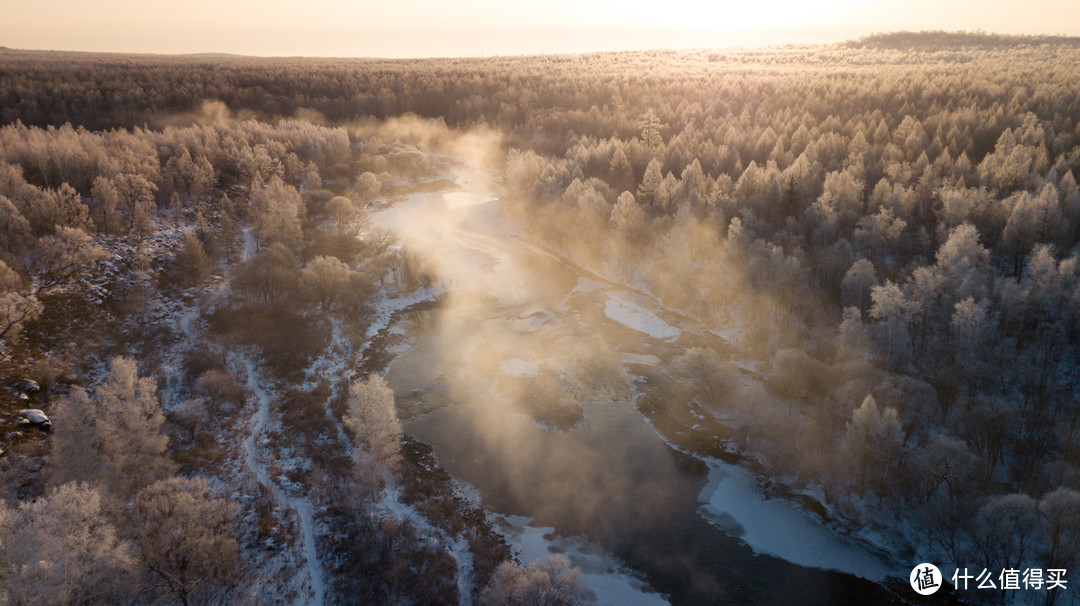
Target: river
(524,381)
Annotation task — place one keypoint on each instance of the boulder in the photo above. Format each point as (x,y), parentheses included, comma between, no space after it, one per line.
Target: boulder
(26,386)
(34,417)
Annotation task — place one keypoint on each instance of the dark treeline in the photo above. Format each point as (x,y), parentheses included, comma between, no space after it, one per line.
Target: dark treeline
(938,40)
(890,225)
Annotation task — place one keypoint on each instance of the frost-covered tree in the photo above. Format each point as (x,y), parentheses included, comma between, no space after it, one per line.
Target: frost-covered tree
(270,276)
(191,264)
(373,420)
(59,257)
(112,438)
(626,215)
(61,549)
(549,581)
(135,196)
(871,443)
(1005,530)
(857,282)
(1060,511)
(276,211)
(703,368)
(893,311)
(185,537)
(16,307)
(650,183)
(324,279)
(970,329)
(105,205)
(368,186)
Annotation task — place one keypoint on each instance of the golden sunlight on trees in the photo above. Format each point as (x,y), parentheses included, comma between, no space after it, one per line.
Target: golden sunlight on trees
(276,209)
(111,437)
(324,279)
(373,421)
(61,549)
(185,537)
(865,253)
(549,580)
(60,257)
(713,376)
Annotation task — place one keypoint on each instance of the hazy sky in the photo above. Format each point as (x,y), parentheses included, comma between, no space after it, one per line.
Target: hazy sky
(419,28)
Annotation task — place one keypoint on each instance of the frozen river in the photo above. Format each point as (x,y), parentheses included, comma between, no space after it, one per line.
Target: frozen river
(524,381)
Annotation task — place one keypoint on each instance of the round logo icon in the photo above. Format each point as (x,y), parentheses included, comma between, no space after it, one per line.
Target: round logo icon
(925,579)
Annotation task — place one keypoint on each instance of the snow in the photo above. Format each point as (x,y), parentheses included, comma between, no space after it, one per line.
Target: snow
(462,199)
(516,367)
(585,285)
(635,317)
(389,504)
(646,359)
(249,248)
(728,333)
(611,582)
(303,508)
(33,415)
(733,502)
(747,365)
(385,307)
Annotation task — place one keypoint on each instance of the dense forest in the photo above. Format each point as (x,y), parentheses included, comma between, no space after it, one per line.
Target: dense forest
(890,226)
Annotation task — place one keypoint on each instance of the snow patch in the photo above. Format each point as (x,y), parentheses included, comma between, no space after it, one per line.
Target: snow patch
(602,573)
(635,317)
(646,359)
(747,365)
(516,367)
(730,334)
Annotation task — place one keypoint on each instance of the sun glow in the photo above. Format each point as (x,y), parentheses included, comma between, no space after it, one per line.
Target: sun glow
(419,28)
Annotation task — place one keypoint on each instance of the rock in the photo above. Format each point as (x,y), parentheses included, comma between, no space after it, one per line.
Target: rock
(35,417)
(26,386)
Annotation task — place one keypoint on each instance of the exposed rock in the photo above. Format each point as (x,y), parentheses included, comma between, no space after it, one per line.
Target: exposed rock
(35,417)
(26,386)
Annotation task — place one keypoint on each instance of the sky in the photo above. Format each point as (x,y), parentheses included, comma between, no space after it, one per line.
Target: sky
(426,28)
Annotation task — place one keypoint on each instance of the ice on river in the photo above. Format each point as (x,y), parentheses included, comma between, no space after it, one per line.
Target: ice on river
(733,501)
(635,317)
(611,582)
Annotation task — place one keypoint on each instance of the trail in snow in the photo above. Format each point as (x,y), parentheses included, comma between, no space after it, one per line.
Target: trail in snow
(458,547)
(300,506)
(248,250)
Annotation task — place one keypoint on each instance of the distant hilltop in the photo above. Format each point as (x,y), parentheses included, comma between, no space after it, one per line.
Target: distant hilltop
(940,40)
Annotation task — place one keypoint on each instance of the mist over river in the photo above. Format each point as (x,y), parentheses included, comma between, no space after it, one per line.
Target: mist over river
(525,381)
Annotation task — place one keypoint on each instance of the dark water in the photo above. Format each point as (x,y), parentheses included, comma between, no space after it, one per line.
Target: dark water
(620,486)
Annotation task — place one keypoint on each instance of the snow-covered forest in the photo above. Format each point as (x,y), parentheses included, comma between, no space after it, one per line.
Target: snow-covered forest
(857,266)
